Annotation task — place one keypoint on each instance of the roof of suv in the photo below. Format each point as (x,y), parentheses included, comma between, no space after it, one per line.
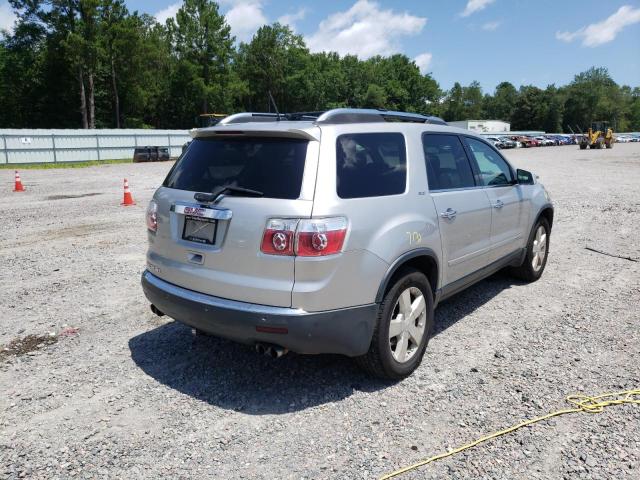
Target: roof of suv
(305,124)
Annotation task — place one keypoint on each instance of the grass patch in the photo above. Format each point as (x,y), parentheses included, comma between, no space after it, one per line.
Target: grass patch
(46,166)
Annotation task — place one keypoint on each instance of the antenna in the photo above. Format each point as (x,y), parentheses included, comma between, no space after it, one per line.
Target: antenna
(273,102)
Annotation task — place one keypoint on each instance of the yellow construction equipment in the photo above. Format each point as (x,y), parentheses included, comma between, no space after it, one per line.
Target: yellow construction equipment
(209,119)
(600,135)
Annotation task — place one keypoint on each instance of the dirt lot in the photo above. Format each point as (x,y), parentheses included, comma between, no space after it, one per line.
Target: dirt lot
(120,393)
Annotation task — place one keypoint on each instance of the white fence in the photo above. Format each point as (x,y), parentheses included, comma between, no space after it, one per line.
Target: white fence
(48,146)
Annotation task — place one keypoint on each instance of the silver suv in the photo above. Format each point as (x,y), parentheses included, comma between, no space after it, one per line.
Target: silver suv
(337,232)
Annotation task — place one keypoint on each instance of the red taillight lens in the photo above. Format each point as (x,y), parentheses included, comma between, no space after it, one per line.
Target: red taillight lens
(278,237)
(322,236)
(152,217)
(316,244)
(305,238)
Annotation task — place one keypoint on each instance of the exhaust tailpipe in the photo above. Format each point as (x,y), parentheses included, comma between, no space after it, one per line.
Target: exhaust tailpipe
(277,351)
(155,310)
(273,351)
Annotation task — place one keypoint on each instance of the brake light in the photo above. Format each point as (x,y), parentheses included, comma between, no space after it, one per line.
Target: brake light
(278,237)
(305,238)
(152,217)
(319,237)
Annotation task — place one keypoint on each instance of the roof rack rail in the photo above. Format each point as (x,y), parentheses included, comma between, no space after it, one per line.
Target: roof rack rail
(364,115)
(334,116)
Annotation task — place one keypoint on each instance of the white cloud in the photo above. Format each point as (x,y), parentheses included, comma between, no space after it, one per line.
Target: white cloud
(245,17)
(7,17)
(292,18)
(474,6)
(491,26)
(167,13)
(364,30)
(603,32)
(423,61)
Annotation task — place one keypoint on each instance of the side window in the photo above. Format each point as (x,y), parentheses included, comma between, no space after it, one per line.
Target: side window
(493,169)
(371,165)
(447,163)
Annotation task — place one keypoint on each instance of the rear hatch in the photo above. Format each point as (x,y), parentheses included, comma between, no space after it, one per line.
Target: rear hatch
(213,246)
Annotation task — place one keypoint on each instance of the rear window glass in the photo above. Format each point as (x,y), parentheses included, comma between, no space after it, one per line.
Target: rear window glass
(273,166)
(371,165)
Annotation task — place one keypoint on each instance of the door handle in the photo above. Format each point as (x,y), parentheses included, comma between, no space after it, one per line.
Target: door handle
(450,214)
(499,204)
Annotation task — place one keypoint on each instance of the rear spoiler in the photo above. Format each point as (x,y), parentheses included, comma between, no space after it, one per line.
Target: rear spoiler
(229,131)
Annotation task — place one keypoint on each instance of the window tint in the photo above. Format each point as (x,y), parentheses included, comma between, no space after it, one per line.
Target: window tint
(273,166)
(492,168)
(447,163)
(370,165)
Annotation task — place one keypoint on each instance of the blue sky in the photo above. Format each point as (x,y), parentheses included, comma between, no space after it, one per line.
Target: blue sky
(535,42)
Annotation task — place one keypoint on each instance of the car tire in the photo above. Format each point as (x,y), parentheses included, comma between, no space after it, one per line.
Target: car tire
(385,356)
(537,253)
(583,146)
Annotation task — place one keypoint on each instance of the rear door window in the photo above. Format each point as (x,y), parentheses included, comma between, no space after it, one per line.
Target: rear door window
(371,165)
(493,169)
(273,166)
(447,164)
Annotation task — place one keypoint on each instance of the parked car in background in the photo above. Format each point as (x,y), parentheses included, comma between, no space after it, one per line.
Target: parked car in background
(526,141)
(150,154)
(496,142)
(544,141)
(623,139)
(508,143)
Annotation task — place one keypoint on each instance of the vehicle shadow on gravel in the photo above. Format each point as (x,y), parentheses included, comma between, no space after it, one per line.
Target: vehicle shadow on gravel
(454,309)
(235,377)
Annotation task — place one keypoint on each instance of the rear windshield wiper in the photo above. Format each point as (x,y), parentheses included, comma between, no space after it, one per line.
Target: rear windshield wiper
(228,189)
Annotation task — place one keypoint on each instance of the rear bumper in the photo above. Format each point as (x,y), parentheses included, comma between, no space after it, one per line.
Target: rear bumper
(345,331)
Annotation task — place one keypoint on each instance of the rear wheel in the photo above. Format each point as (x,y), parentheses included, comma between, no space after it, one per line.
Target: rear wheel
(583,146)
(403,326)
(537,252)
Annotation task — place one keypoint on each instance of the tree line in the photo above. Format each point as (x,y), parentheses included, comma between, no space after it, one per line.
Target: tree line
(95,64)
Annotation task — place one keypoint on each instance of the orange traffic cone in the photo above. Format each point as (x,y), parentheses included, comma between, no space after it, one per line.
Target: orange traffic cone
(18,187)
(128,199)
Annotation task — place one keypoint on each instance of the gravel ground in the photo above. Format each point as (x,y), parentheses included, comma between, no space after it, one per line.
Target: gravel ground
(120,393)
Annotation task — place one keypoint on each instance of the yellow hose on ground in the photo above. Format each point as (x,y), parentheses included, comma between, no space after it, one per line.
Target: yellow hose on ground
(583,403)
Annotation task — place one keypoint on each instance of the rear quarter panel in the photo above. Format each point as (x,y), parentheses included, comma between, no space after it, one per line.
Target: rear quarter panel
(381,229)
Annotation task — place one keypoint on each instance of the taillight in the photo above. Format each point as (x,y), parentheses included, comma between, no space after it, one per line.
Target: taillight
(322,236)
(278,237)
(152,217)
(305,238)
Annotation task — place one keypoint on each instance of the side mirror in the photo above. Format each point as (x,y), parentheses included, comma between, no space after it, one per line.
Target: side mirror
(524,177)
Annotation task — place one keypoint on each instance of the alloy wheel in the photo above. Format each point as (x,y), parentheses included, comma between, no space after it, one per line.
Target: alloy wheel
(539,248)
(408,324)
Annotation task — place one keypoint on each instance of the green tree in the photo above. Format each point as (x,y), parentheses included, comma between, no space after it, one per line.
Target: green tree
(21,63)
(375,97)
(204,49)
(453,108)
(501,105)
(592,96)
(275,60)
(472,100)
(530,109)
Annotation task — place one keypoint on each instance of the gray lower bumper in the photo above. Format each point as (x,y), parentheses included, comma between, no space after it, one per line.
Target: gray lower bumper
(345,331)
